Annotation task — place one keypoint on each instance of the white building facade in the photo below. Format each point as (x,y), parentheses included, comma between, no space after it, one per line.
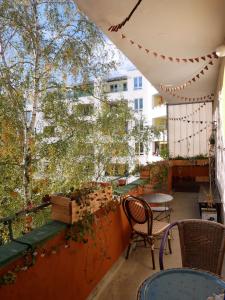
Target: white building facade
(148,107)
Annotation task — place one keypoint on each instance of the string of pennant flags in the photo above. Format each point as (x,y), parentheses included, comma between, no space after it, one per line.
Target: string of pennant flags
(206,98)
(190,121)
(182,86)
(192,135)
(190,114)
(210,56)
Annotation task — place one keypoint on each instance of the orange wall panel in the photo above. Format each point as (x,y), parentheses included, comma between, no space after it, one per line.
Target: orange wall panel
(72,273)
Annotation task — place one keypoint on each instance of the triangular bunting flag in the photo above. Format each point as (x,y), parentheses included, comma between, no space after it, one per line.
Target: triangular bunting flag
(177,59)
(155,54)
(163,56)
(203,57)
(191,60)
(197,59)
(206,68)
(146,50)
(202,72)
(209,56)
(139,46)
(215,55)
(170,58)
(211,63)
(197,75)
(132,42)
(184,59)
(123,36)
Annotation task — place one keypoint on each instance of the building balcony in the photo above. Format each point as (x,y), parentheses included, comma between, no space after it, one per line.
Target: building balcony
(53,262)
(159,111)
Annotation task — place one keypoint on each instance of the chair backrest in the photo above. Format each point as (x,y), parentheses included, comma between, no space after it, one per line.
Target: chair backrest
(138,211)
(202,244)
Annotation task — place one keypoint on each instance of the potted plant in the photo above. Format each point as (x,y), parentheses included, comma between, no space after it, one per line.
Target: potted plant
(212,139)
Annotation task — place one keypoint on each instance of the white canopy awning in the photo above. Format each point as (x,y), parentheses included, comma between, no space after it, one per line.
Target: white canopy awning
(159,37)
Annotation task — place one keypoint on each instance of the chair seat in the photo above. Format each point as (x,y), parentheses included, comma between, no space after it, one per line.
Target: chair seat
(157,227)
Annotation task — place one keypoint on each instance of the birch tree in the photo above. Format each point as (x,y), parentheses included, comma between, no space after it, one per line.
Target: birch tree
(49,50)
(45,47)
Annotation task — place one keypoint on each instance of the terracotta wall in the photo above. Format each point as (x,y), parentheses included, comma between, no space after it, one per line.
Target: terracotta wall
(71,273)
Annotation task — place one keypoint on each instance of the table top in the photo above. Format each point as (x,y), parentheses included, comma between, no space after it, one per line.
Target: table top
(157,198)
(183,283)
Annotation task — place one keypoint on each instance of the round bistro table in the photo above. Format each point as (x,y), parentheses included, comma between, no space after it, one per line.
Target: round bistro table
(157,198)
(163,210)
(181,284)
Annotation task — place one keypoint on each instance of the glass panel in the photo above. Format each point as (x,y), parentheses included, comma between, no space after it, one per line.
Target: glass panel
(141,148)
(135,83)
(140,82)
(140,104)
(136,104)
(137,148)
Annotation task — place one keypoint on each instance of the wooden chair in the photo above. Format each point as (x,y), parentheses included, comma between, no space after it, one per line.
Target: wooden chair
(140,217)
(202,244)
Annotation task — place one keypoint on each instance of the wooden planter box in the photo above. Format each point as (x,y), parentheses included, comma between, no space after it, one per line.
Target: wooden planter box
(69,211)
(187,162)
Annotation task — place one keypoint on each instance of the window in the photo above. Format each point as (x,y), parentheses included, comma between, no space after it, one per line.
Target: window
(138,104)
(69,94)
(137,83)
(83,90)
(139,125)
(124,86)
(139,148)
(85,109)
(116,170)
(28,116)
(113,88)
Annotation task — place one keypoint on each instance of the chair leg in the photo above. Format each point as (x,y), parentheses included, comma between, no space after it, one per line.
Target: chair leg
(169,244)
(129,246)
(145,242)
(153,256)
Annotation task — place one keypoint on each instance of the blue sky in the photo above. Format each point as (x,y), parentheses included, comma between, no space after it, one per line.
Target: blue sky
(124,64)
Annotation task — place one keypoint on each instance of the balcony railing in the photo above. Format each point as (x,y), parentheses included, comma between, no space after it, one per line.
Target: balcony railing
(21,220)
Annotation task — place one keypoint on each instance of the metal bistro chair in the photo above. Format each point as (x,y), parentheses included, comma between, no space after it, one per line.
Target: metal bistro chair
(202,244)
(140,217)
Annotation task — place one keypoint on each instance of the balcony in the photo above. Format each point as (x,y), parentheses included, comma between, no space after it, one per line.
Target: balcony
(63,263)
(159,111)
(85,260)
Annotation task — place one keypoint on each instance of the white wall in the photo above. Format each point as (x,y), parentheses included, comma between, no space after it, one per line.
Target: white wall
(146,93)
(194,135)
